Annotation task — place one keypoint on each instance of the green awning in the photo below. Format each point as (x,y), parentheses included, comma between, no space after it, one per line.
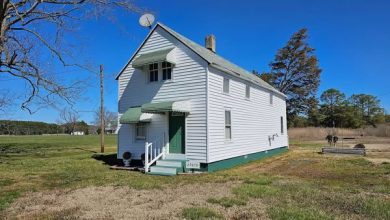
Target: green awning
(152,57)
(134,115)
(169,106)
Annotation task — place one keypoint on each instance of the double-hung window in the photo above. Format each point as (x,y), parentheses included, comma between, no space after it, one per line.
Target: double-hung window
(140,131)
(247,91)
(153,72)
(225,85)
(166,71)
(281,125)
(228,125)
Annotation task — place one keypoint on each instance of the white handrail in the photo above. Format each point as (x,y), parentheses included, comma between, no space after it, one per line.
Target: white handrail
(154,151)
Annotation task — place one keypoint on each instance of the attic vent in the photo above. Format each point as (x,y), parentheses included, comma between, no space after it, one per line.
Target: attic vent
(210,42)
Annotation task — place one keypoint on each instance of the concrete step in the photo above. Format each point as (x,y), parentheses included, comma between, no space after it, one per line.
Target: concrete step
(164,169)
(170,163)
(175,157)
(161,174)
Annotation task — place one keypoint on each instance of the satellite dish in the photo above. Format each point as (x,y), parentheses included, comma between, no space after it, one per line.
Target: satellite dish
(146,20)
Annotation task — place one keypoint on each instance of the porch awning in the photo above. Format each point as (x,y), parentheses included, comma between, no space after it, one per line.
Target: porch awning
(152,57)
(134,115)
(170,106)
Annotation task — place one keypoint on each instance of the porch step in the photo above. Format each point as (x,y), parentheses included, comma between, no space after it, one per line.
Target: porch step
(161,174)
(170,163)
(176,157)
(163,170)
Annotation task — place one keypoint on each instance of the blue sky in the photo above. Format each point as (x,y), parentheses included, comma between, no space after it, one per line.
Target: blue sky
(352,41)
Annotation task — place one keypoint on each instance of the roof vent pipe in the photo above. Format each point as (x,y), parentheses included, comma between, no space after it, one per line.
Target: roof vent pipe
(210,42)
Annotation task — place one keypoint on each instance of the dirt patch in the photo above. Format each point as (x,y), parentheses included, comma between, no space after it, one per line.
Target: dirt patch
(378,160)
(126,203)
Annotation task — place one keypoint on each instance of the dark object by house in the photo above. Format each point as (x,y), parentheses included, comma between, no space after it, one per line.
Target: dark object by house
(332,140)
(349,138)
(359,146)
(333,150)
(126,155)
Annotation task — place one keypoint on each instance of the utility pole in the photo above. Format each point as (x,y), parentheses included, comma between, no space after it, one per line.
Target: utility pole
(101,110)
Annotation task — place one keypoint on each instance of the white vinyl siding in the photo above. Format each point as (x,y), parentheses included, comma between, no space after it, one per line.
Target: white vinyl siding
(252,122)
(189,83)
(127,140)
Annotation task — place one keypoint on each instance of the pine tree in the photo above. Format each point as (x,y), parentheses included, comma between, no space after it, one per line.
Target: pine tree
(295,72)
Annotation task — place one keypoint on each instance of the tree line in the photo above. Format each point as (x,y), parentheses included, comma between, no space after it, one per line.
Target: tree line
(295,72)
(68,122)
(335,109)
(10,127)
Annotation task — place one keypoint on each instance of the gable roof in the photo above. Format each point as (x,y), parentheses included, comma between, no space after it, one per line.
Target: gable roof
(213,59)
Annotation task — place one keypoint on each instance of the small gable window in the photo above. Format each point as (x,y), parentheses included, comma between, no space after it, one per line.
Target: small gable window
(271,99)
(166,71)
(247,91)
(153,72)
(225,85)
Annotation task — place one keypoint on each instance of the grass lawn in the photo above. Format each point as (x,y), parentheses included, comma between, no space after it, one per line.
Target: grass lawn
(300,184)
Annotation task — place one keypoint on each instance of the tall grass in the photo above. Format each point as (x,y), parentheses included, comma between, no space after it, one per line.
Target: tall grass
(310,133)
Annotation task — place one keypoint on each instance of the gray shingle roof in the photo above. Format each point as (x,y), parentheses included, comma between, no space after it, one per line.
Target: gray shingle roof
(220,63)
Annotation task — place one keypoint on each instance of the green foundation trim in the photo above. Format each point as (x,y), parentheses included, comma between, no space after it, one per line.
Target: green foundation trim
(231,162)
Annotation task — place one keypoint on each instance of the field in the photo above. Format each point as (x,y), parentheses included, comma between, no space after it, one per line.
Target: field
(63,177)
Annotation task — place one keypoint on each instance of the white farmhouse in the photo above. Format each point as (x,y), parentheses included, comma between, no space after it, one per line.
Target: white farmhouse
(191,110)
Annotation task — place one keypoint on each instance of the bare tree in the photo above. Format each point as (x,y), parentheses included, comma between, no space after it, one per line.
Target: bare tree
(32,43)
(5,100)
(69,119)
(110,119)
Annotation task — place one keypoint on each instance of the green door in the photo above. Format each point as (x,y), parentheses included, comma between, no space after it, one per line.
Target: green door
(176,133)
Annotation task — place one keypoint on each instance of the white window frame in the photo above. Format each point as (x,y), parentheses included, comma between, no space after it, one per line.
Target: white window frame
(226,89)
(228,125)
(149,72)
(136,126)
(166,68)
(247,91)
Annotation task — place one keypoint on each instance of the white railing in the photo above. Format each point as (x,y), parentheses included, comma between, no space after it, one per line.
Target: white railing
(154,150)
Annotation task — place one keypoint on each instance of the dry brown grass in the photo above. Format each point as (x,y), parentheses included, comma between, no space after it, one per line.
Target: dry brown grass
(120,202)
(316,133)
